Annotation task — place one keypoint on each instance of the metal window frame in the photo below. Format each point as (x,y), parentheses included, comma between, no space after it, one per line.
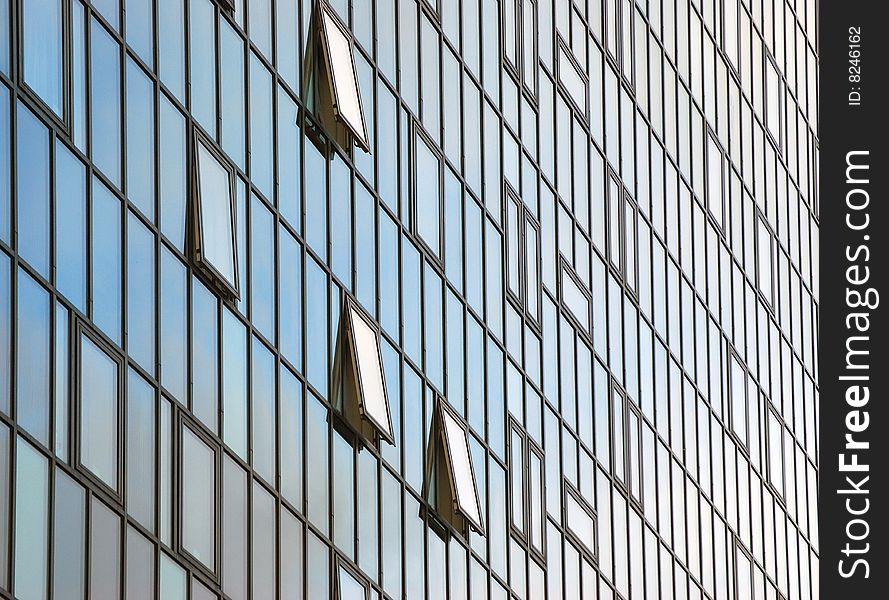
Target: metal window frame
(418,135)
(569,490)
(341,564)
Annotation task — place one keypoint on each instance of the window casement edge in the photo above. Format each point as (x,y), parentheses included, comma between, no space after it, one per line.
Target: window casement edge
(231,290)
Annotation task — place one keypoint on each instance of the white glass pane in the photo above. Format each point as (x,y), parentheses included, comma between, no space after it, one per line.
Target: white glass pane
(217,242)
(344,79)
(350,588)
(461,468)
(581,523)
(572,80)
(98,398)
(376,405)
(764,250)
(198,498)
(575,300)
(31,522)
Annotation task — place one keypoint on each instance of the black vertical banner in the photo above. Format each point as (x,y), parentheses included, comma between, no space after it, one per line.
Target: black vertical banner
(854,425)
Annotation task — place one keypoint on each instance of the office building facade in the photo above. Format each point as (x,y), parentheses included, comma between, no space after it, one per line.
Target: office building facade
(408,299)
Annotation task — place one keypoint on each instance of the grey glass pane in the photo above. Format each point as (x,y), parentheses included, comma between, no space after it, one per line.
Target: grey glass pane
(264,556)
(71,240)
(291,556)
(33,358)
(106,260)
(349,587)
(198,498)
(32,199)
(234,530)
(4,34)
(31,522)
(290,297)
(289,146)
(105,101)
(317,481)
(204,355)
(99,402)
(174,325)
(141,407)
(200,592)
(69,538)
(234,383)
(317,568)
(173,579)
(140,292)
(140,566)
(217,213)
(140,139)
(5,332)
(43,50)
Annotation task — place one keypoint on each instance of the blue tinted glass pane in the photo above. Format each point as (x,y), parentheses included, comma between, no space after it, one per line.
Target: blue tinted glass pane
(261,124)
(78,74)
(139,36)
(289,143)
(5,162)
(316,324)
(315,176)
(341,220)
(365,249)
(140,293)
(4,35)
(317,482)
(110,9)
(204,353)
(5,332)
(106,260)
(290,304)
(261,25)
(33,357)
(31,522)
(173,580)
(105,98)
(172,173)
(389,307)
(287,42)
(70,226)
(99,390)
(140,449)
(231,83)
(234,383)
(202,45)
(140,139)
(263,407)
(174,332)
(291,437)
(428,195)
(262,257)
(42,50)
(171,45)
(32,201)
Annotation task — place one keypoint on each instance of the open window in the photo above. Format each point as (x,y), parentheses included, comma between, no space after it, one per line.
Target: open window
(330,83)
(215,244)
(359,384)
(349,585)
(450,477)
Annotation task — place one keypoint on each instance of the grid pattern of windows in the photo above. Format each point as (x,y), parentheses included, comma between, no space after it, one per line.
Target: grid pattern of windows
(577,242)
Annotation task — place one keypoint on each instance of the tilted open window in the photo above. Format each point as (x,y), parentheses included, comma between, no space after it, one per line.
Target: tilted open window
(215,245)
(359,384)
(330,82)
(450,477)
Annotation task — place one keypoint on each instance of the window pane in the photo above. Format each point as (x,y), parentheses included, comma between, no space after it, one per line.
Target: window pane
(140,137)
(70,226)
(349,587)
(5,485)
(234,383)
(231,100)
(290,297)
(204,355)
(140,292)
(198,498)
(32,204)
(575,300)
(140,449)
(428,194)
(291,437)
(106,254)
(171,171)
(262,268)
(345,83)
(69,538)
(173,325)
(99,384)
(31,522)
(5,332)
(5,158)
(140,566)
(291,556)
(140,37)
(261,127)
(263,410)
(173,580)
(234,530)
(171,45)
(202,45)
(461,468)
(367,348)
(105,98)
(33,358)
(263,543)
(42,50)
(216,205)
(580,522)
